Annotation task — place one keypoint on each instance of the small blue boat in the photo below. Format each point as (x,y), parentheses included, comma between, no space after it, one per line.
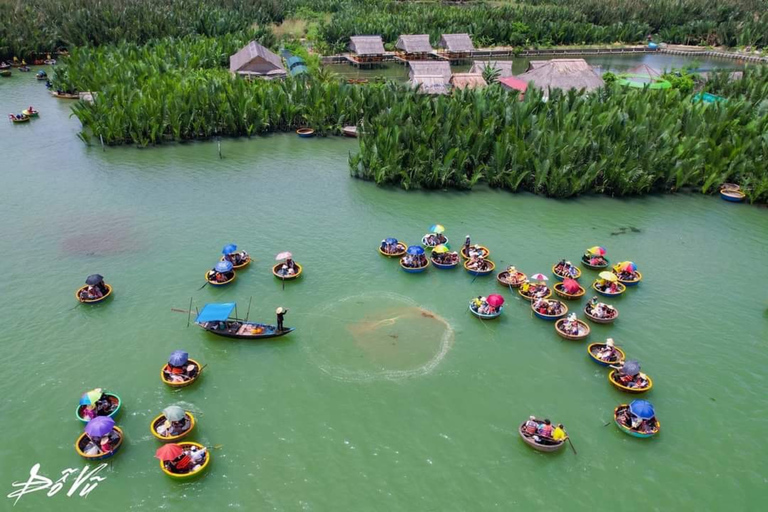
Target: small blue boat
(414,251)
(305,133)
(497,314)
(732,196)
(550,318)
(632,432)
(414,270)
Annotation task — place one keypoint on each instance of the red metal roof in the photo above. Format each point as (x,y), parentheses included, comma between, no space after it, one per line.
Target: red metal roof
(511,82)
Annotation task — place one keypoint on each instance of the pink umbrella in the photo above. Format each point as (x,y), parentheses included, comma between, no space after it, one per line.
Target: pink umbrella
(570,285)
(495,300)
(283,256)
(539,277)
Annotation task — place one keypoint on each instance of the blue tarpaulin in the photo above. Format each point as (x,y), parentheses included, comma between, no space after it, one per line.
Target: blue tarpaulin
(215,312)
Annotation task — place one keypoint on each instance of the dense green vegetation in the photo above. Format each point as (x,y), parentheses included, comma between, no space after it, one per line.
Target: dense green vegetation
(29,26)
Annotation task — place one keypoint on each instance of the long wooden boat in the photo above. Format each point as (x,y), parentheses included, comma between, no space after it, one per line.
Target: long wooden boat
(484,251)
(732,196)
(550,318)
(401,249)
(414,270)
(159,420)
(593,318)
(243,264)
(432,246)
(299,270)
(182,384)
(583,330)
(305,132)
(622,289)
(560,277)
(587,264)
(65,95)
(531,298)
(444,266)
(83,441)
(349,131)
(241,330)
(191,474)
(629,282)
(530,441)
(635,391)
(594,348)
(560,292)
(209,278)
(93,301)
(31,113)
(497,314)
(628,430)
(514,281)
(488,271)
(17,120)
(113,399)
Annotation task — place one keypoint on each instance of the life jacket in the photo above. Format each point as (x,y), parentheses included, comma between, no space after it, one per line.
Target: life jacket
(175,370)
(183,463)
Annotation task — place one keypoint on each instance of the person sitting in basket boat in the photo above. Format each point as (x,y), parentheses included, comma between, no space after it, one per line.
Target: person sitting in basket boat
(387,247)
(478,263)
(594,259)
(565,268)
(445,258)
(571,325)
(237,258)
(474,251)
(412,261)
(189,460)
(599,309)
(626,275)
(629,420)
(180,373)
(544,432)
(558,434)
(220,277)
(638,381)
(101,445)
(607,352)
(435,239)
(606,286)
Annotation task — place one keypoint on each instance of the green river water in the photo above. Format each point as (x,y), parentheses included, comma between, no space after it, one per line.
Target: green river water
(369,404)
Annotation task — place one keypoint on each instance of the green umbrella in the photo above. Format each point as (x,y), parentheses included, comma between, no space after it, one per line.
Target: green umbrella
(174,413)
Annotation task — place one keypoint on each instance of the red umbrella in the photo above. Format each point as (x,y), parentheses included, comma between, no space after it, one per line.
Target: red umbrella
(168,452)
(570,285)
(495,300)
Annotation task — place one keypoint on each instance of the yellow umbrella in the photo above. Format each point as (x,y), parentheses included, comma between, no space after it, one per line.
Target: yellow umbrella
(608,276)
(440,249)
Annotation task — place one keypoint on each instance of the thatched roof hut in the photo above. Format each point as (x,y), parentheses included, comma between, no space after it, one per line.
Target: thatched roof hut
(254,60)
(645,70)
(456,43)
(504,66)
(432,76)
(468,81)
(562,74)
(366,45)
(414,43)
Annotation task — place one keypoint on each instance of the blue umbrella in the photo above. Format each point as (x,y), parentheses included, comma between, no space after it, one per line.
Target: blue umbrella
(100,426)
(415,250)
(178,358)
(229,249)
(390,241)
(223,266)
(643,409)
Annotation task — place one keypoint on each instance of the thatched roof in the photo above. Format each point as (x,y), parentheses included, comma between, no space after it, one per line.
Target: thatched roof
(255,60)
(433,76)
(366,45)
(536,64)
(468,80)
(504,66)
(562,74)
(414,43)
(645,70)
(456,42)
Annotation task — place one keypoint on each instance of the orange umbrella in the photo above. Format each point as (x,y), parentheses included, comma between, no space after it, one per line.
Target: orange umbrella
(168,452)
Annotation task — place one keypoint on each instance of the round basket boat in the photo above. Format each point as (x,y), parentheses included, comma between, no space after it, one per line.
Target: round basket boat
(22,119)
(414,270)
(626,389)
(629,282)
(401,248)
(530,298)
(113,399)
(497,314)
(299,270)
(31,113)
(350,131)
(432,246)
(629,431)
(608,320)
(560,277)
(444,266)
(83,441)
(191,474)
(550,318)
(211,282)
(488,271)
(583,330)
(594,348)
(505,279)
(542,447)
(305,132)
(732,196)
(242,264)
(160,419)
(182,384)
(560,292)
(484,251)
(586,263)
(622,288)
(93,301)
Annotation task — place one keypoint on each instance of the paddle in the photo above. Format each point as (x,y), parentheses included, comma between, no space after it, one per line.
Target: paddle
(571,443)
(202,286)
(189,313)
(283,276)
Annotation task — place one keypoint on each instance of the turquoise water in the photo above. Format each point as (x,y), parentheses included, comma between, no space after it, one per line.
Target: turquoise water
(389,395)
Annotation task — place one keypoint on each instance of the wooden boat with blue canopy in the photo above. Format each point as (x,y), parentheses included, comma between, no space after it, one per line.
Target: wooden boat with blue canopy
(638,419)
(217,319)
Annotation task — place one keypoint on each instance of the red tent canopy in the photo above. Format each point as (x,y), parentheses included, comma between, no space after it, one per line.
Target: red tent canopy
(516,84)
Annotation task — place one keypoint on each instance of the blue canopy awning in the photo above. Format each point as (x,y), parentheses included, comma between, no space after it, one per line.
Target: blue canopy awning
(215,312)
